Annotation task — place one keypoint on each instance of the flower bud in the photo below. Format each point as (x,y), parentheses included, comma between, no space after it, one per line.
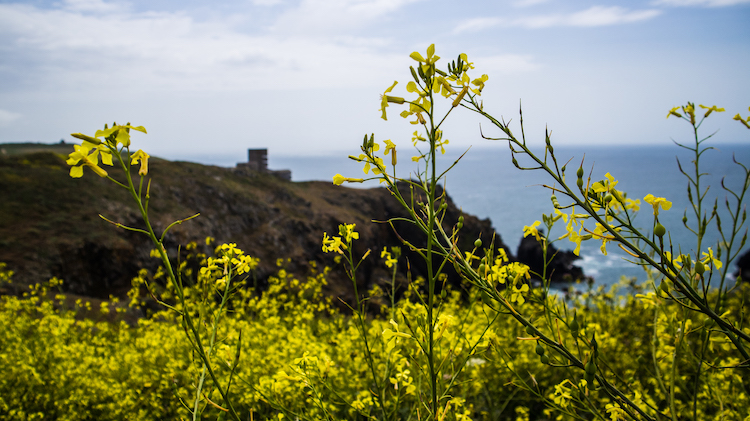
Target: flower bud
(539,349)
(395,99)
(89,139)
(460,96)
(414,73)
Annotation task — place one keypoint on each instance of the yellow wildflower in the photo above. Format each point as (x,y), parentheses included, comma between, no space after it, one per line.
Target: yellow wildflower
(143,157)
(657,202)
(385,99)
(532,230)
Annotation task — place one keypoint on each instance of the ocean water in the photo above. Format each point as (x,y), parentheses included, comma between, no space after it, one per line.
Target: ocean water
(486,184)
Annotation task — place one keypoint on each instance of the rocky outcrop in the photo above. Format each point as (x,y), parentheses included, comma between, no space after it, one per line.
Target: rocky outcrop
(49,223)
(560,269)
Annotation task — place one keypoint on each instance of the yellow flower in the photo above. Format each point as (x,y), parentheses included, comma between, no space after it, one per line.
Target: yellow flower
(89,156)
(739,118)
(711,109)
(479,82)
(122,133)
(431,57)
(657,202)
(388,146)
(532,230)
(332,244)
(709,259)
(674,112)
(605,185)
(338,179)
(600,233)
(391,336)
(347,231)
(385,99)
(389,260)
(143,157)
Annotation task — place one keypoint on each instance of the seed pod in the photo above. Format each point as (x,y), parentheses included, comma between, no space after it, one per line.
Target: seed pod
(529,330)
(414,73)
(608,198)
(659,230)
(589,379)
(700,269)
(539,349)
(478,243)
(590,368)
(579,172)
(579,183)
(482,270)
(544,359)
(684,219)
(443,293)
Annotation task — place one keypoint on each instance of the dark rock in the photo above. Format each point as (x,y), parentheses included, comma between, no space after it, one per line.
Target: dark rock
(561,265)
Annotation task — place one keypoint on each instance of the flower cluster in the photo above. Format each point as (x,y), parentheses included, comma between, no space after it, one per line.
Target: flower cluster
(113,141)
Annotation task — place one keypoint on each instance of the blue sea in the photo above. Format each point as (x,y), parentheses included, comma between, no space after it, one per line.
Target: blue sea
(486,184)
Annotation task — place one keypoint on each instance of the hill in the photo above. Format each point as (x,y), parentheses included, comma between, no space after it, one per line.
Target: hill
(49,223)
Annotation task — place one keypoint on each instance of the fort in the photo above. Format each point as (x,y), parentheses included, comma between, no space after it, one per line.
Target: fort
(257,162)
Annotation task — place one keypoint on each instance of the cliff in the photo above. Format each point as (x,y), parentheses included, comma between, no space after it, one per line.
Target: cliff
(49,223)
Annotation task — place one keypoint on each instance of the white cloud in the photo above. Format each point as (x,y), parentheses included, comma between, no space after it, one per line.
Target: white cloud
(7,117)
(325,17)
(94,6)
(141,52)
(267,2)
(528,3)
(477,24)
(704,3)
(506,64)
(593,16)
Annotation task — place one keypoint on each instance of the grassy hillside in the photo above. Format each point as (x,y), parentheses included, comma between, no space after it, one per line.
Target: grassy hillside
(49,223)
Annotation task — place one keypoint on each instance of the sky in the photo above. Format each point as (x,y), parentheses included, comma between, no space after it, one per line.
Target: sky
(209,80)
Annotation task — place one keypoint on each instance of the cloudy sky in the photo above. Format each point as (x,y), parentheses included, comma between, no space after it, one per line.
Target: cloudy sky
(303,77)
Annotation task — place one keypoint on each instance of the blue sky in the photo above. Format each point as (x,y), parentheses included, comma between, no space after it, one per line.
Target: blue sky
(211,79)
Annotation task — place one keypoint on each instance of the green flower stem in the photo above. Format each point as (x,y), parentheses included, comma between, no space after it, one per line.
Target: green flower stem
(361,326)
(185,314)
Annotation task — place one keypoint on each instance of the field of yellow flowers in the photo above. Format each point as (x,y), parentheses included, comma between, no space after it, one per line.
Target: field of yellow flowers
(57,365)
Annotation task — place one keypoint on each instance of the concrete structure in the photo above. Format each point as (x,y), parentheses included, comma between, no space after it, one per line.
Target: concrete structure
(257,162)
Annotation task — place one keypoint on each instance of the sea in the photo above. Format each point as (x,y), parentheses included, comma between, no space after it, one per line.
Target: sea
(486,184)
